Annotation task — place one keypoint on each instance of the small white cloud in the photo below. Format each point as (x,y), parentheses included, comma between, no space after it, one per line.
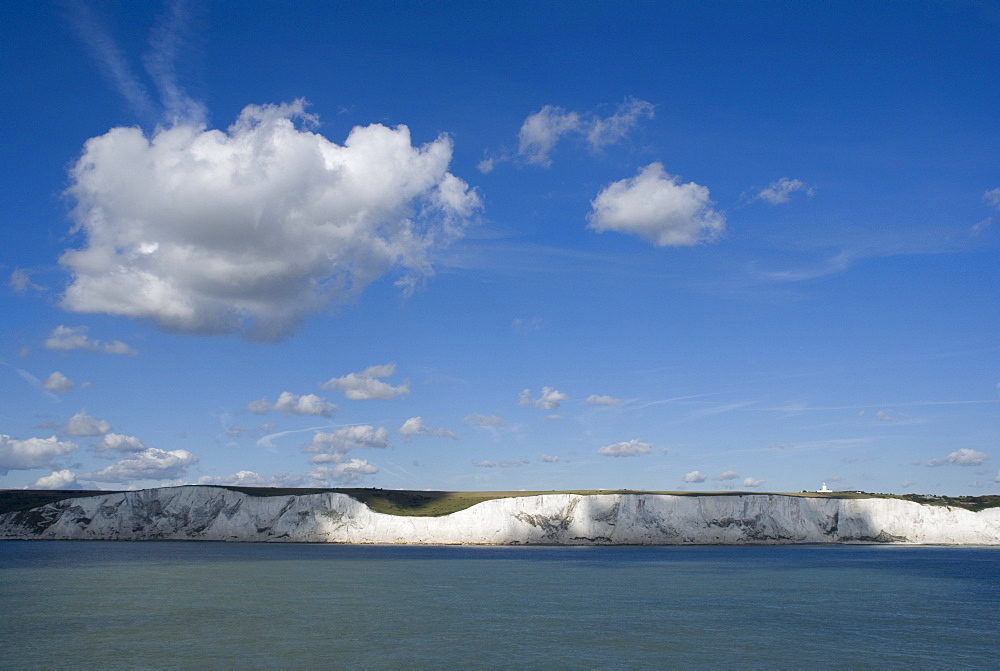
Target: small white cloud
(23,455)
(727,475)
(308,404)
(240,478)
(64,479)
(486,420)
(993,197)
(116,442)
(962,457)
(782,190)
(260,406)
(117,347)
(609,130)
(347,472)
(150,464)
(549,399)
(501,464)
(981,226)
(752,482)
(75,337)
(367,384)
(594,399)
(291,404)
(82,424)
(20,281)
(253,479)
(58,383)
(486,166)
(630,448)
(890,416)
(522,325)
(253,228)
(694,476)
(414,426)
(347,438)
(542,130)
(655,206)
(549,459)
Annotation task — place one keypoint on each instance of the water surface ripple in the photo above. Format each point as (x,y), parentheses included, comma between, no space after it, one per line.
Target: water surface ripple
(196,605)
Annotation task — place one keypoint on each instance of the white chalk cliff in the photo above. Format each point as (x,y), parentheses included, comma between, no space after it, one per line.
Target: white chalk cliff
(219,514)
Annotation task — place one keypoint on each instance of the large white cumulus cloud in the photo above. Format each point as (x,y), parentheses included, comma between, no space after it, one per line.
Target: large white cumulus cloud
(253,228)
(31,453)
(64,479)
(148,464)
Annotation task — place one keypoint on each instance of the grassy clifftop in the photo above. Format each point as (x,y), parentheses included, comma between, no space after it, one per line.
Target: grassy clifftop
(417,503)
(14,500)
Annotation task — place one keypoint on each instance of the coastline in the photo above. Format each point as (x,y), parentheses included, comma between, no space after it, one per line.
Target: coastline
(222,514)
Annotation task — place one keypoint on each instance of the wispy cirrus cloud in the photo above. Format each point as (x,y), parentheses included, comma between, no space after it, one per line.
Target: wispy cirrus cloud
(111,61)
(415,426)
(543,129)
(20,281)
(170,38)
(603,399)
(501,464)
(493,421)
(781,191)
(993,197)
(248,478)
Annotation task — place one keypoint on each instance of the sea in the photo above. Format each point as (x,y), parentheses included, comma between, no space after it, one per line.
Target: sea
(199,605)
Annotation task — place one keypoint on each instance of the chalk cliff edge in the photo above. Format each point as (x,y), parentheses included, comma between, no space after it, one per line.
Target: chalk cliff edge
(219,514)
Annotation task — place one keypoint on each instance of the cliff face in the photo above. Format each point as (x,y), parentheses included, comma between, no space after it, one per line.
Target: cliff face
(211,513)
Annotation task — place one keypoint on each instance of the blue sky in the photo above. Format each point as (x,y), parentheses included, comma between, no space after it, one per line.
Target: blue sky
(461,246)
